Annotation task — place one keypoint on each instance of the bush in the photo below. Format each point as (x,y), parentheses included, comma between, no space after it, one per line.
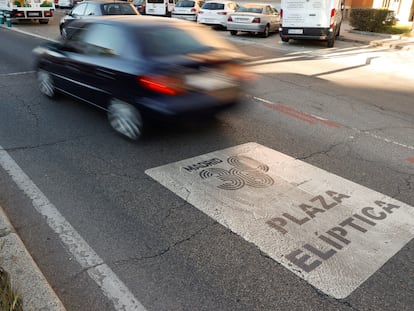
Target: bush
(366,19)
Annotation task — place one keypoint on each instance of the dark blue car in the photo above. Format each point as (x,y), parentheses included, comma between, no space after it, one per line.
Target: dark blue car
(134,67)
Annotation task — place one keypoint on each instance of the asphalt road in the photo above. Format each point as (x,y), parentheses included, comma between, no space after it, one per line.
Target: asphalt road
(344,111)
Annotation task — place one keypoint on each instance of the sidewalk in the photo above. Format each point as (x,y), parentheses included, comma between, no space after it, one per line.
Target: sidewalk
(398,42)
(27,280)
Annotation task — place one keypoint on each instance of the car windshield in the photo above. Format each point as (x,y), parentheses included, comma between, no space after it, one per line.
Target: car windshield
(118,9)
(250,9)
(213,6)
(185,4)
(171,41)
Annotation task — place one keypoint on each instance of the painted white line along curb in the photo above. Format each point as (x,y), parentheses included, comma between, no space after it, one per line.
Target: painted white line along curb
(328,230)
(111,286)
(26,277)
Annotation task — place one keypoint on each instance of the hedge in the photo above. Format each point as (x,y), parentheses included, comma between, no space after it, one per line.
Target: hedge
(373,20)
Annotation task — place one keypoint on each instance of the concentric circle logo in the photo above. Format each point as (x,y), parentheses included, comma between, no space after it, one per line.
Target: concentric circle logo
(245,172)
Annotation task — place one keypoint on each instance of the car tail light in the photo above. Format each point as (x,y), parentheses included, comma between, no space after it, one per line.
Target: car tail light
(333,12)
(162,84)
(48,14)
(256,20)
(281,13)
(229,19)
(193,10)
(222,13)
(19,14)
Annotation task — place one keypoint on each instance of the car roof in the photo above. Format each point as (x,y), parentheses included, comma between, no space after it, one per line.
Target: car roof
(136,20)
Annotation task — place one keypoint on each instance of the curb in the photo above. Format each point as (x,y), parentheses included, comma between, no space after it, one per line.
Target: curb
(28,280)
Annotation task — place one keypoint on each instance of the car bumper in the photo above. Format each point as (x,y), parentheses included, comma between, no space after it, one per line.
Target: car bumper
(246,27)
(192,104)
(211,21)
(187,17)
(306,33)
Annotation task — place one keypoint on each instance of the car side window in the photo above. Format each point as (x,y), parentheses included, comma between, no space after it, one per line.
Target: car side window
(92,9)
(79,10)
(105,40)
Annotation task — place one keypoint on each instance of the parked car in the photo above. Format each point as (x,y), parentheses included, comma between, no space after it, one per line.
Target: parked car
(68,4)
(88,9)
(215,13)
(254,18)
(187,9)
(130,67)
(140,5)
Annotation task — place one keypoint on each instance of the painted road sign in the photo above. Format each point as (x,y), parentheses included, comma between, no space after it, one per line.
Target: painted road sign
(328,230)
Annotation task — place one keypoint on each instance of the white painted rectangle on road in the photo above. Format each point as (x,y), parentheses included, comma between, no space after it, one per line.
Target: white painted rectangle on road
(328,230)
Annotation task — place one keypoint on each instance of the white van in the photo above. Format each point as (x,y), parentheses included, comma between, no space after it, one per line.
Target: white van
(160,7)
(311,19)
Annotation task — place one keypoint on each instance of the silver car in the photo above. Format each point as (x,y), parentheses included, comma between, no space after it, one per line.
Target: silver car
(259,18)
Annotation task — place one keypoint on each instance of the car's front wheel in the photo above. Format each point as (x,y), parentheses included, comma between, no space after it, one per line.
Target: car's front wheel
(125,119)
(46,83)
(233,32)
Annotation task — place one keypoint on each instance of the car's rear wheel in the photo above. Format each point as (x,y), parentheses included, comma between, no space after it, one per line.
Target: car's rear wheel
(233,32)
(285,39)
(46,83)
(266,31)
(125,119)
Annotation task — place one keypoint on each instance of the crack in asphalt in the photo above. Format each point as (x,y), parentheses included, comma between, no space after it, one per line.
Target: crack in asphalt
(57,142)
(163,251)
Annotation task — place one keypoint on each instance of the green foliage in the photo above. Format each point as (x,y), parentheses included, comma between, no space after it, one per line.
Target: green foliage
(373,20)
(46,4)
(9,300)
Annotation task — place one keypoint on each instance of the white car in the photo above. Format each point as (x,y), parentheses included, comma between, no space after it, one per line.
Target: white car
(187,9)
(215,13)
(258,18)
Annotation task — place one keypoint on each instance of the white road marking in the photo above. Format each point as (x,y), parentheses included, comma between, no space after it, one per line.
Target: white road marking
(16,73)
(328,230)
(111,286)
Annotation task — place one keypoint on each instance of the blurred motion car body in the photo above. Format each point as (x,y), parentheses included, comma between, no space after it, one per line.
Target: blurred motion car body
(138,67)
(215,13)
(254,18)
(187,9)
(88,9)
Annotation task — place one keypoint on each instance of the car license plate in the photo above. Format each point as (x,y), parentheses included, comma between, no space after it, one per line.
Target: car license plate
(295,31)
(33,14)
(210,81)
(241,20)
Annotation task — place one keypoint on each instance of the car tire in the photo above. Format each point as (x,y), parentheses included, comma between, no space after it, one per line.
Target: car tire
(266,31)
(46,83)
(43,21)
(63,32)
(233,32)
(331,42)
(125,119)
(285,39)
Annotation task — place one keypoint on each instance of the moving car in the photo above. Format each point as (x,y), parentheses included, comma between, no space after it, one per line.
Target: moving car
(214,13)
(187,9)
(130,67)
(88,9)
(254,18)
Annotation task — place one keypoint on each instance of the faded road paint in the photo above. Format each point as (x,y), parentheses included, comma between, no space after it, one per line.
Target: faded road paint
(328,230)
